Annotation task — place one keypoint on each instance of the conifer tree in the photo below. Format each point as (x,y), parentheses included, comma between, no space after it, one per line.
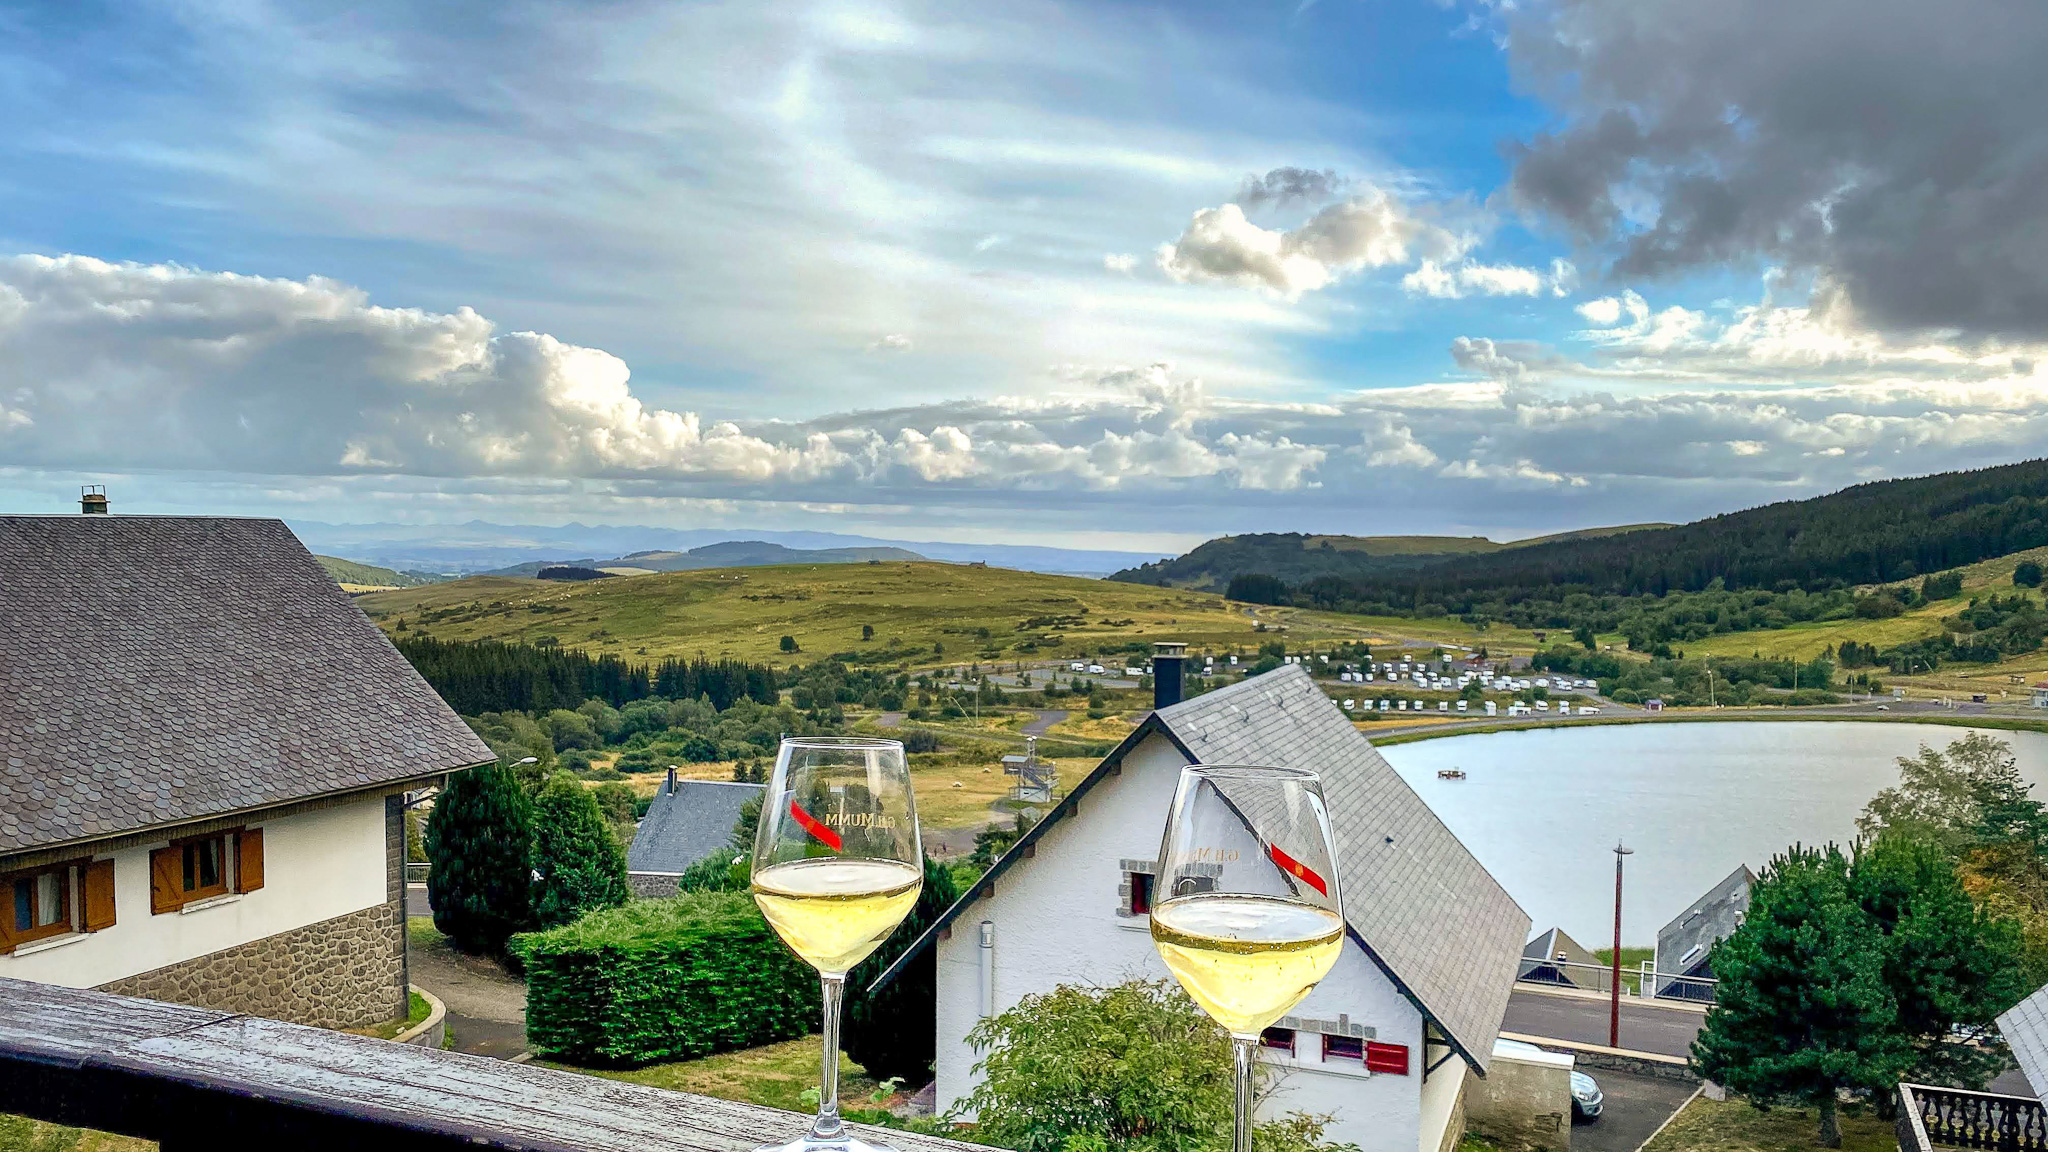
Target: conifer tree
(477,843)
(1802,1011)
(578,863)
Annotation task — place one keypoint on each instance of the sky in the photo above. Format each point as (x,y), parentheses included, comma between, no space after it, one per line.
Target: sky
(1093,274)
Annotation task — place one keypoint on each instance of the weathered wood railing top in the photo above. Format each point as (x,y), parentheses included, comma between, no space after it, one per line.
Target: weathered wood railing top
(196,1078)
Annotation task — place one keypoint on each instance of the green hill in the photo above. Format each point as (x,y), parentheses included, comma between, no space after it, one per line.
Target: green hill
(356,576)
(923,613)
(1296,558)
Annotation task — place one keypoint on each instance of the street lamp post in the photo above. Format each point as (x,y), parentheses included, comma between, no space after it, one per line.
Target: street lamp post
(1614,986)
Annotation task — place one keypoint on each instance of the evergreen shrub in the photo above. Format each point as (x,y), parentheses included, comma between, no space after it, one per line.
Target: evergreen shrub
(660,980)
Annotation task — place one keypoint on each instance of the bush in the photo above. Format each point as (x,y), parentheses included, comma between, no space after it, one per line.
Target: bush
(477,844)
(579,864)
(919,740)
(2027,574)
(664,980)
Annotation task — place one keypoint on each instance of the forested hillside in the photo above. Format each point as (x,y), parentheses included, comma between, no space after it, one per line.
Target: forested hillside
(1296,558)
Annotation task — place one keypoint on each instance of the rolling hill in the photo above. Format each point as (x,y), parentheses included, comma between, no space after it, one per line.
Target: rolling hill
(727,554)
(922,613)
(1296,558)
(360,577)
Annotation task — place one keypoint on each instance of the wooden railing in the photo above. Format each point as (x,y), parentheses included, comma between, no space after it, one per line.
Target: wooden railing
(1931,1117)
(192,1078)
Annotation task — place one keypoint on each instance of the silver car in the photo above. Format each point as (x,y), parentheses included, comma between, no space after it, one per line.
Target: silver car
(1587,1099)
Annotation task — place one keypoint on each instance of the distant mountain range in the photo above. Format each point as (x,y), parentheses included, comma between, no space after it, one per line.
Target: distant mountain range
(480,546)
(1296,558)
(730,554)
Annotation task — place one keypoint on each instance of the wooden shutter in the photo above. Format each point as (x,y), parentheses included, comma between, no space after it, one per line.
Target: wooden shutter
(96,878)
(166,880)
(249,860)
(7,940)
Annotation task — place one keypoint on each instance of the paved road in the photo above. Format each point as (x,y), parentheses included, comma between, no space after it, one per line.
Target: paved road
(486,1005)
(1636,1105)
(1043,721)
(1644,1027)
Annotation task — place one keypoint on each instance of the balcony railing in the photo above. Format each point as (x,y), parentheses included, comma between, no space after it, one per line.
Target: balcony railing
(1600,978)
(1932,1117)
(193,1078)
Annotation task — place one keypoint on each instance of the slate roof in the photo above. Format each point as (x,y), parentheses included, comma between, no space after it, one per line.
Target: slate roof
(163,669)
(1434,920)
(1684,945)
(2025,1028)
(685,826)
(1539,959)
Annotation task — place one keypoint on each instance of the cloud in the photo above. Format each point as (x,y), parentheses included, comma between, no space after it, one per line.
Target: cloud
(1369,230)
(893,342)
(1122,262)
(1892,149)
(1289,187)
(1466,278)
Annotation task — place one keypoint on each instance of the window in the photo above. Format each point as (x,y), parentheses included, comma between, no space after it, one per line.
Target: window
(1279,1039)
(1390,1058)
(37,905)
(1141,893)
(203,867)
(1343,1048)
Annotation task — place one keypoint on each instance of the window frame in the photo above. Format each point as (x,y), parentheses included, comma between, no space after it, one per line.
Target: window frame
(241,869)
(66,921)
(1142,886)
(1329,1055)
(1270,1038)
(225,884)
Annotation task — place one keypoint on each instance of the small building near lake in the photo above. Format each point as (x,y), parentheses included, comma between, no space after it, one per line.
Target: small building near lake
(2041,694)
(1686,945)
(1384,1044)
(1555,958)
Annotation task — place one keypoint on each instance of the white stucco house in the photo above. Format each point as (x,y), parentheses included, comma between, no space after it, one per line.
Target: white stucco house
(204,750)
(1415,1001)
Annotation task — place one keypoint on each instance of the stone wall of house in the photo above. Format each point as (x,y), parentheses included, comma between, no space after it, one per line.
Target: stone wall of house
(347,972)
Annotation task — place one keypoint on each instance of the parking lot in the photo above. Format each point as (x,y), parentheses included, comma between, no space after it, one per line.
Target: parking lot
(1636,1105)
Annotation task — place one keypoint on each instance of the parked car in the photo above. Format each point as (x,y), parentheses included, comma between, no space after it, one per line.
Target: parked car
(1587,1099)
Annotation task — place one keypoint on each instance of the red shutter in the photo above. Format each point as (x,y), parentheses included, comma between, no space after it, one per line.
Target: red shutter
(1391,1058)
(97,879)
(249,860)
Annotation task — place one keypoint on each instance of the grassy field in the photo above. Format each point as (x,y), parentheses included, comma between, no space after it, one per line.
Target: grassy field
(22,1135)
(1733,1126)
(923,614)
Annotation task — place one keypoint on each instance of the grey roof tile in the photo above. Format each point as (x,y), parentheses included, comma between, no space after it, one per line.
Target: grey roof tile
(2025,1028)
(159,669)
(1685,944)
(685,826)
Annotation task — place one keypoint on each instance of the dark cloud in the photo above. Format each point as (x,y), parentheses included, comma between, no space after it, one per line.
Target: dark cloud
(1894,148)
(1286,187)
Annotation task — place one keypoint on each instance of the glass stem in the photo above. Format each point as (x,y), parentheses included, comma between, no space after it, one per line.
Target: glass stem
(828,1126)
(1241,1139)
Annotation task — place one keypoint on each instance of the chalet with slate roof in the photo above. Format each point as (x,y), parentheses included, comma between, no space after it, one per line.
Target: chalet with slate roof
(204,750)
(1686,945)
(1555,958)
(1415,1001)
(688,821)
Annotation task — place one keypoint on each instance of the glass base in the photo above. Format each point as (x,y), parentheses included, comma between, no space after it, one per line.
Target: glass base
(844,1142)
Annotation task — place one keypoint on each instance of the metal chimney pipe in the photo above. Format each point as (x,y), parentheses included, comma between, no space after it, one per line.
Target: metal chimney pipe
(1167,659)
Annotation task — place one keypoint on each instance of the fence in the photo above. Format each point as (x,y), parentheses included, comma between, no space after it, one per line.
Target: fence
(1600,978)
(1932,1117)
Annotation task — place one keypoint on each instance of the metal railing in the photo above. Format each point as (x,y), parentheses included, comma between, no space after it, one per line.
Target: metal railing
(1931,1117)
(1600,978)
(196,1078)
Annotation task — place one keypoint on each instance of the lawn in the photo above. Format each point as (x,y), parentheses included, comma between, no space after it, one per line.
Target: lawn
(923,614)
(1733,1126)
(775,1075)
(18,1134)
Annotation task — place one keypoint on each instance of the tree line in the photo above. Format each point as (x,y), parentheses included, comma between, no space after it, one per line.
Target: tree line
(479,676)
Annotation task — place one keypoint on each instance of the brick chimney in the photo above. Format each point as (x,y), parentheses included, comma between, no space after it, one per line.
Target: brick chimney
(1167,659)
(92,499)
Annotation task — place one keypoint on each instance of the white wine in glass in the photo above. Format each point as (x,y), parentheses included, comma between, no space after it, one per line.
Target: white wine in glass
(1249,918)
(837,866)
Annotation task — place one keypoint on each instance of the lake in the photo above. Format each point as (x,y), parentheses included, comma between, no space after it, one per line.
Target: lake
(1542,808)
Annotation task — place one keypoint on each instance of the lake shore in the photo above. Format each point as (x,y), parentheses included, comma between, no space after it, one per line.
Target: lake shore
(1410,735)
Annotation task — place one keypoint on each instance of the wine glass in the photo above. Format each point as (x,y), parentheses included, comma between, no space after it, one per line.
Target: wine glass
(837,865)
(1248,916)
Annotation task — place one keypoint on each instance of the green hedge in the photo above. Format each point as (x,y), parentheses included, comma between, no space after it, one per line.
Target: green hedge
(663,980)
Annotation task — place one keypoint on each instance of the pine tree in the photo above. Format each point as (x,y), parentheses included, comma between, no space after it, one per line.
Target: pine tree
(893,1032)
(1802,1010)
(477,852)
(1950,967)
(579,864)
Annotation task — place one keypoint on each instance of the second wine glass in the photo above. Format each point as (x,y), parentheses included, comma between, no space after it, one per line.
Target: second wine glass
(837,865)
(1248,916)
